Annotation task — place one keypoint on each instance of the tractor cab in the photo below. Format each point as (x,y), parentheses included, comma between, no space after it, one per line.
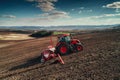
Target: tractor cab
(64,38)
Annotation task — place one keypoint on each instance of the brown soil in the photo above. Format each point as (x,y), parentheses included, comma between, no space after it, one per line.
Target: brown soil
(100,59)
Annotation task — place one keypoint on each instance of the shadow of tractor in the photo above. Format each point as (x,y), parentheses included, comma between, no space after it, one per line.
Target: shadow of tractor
(30,62)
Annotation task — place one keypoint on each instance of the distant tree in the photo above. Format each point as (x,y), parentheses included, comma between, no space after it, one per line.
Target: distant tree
(40,34)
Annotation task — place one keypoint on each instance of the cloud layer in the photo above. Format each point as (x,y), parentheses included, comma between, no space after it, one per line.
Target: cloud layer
(49,10)
(106,19)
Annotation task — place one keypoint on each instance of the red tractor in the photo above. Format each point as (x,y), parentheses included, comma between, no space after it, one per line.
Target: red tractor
(65,45)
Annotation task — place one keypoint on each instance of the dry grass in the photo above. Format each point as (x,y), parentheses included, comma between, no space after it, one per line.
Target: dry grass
(14,37)
(9,38)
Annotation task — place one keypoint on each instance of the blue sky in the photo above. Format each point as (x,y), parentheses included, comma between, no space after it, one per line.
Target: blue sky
(59,12)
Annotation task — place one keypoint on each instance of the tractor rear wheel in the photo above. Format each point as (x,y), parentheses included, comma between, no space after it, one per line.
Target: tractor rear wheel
(63,49)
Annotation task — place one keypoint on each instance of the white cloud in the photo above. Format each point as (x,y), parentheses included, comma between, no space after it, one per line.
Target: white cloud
(111,15)
(89,10)
(105,16)
(44,5)
(72,9)
(55,15)
(114,5)
(7,16)
(80,12)
(81,7)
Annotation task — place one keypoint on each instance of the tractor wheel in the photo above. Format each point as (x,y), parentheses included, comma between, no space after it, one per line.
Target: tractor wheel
(63,49)
(79,47)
